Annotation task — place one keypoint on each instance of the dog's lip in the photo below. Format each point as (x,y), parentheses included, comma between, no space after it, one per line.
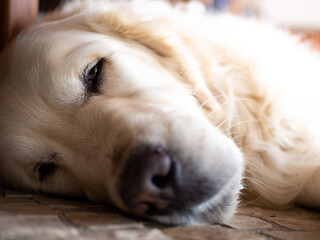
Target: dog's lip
(209,210)
(206,212)
(142,207)
(229,193)
(139,209)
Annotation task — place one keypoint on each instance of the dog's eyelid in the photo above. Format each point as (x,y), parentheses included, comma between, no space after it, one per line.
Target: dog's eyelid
(47,166)
(91,76)
(89,66)
(53,156)
(44,169)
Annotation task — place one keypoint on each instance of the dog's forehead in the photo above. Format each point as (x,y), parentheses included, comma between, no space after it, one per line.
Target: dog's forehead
(50,42)
(65,44)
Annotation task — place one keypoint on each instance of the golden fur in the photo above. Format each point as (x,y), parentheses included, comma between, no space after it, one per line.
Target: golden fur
(216,89)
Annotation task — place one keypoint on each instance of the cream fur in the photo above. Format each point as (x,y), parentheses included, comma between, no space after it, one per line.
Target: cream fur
(256,85)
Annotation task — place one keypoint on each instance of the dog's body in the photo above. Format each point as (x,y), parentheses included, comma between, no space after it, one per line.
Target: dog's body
(157,112)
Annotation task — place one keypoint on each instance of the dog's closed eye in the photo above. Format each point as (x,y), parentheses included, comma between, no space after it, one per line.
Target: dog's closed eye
(43,170)
(92,77)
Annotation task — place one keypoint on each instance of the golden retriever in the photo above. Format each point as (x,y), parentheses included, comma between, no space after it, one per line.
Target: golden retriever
(165,114)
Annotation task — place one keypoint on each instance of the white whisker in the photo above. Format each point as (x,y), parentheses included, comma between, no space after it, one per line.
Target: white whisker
(226,120)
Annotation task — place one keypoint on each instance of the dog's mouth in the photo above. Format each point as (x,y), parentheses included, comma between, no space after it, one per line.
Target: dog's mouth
(155,184)
(217,209)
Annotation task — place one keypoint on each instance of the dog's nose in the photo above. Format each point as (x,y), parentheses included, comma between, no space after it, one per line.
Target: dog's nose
(148,182)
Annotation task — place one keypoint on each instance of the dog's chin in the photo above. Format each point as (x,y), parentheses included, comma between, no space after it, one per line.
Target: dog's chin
(217,209)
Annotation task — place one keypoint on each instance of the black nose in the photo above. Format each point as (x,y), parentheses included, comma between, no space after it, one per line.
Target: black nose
(148,182)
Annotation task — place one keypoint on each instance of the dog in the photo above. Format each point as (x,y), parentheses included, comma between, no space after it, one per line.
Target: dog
(165,114)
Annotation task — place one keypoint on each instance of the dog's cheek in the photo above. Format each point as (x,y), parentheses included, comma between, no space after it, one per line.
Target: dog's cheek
(63,182)
(13,174)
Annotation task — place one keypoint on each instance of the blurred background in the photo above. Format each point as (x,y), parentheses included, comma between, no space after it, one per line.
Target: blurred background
(292,14)
(299,16)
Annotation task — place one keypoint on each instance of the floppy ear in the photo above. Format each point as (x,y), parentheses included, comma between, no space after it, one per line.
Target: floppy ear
(15,15)
(169,45)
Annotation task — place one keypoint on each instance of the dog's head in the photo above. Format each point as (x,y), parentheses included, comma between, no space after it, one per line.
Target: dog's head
(106,104)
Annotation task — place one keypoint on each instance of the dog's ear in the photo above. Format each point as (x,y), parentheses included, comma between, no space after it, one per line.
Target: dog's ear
(169,45)
(67,9)
(15,16)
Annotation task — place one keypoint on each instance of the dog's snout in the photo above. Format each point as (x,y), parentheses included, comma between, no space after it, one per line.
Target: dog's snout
(148,183)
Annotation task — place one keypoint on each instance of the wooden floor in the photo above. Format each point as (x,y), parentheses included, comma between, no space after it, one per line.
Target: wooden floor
(25,216)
